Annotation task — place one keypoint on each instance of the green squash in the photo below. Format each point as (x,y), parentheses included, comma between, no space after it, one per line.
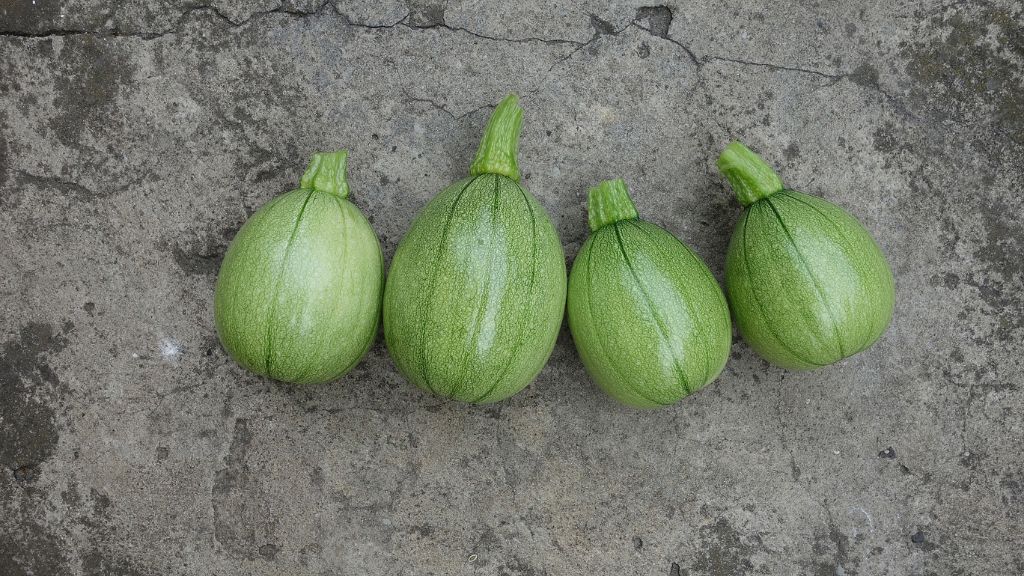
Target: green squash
(298,296)
(807,283)
(476,290)
(649,320)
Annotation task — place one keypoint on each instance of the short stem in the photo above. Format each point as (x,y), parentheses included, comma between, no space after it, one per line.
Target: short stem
(751,177)
(326,173)
(500,144)
(608,203)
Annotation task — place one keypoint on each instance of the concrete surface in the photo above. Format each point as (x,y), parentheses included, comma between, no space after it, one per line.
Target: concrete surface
(138,135)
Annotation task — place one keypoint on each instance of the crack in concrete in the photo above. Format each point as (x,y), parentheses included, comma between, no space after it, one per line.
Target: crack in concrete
(404,22)
(410,99)
(689,53)
(280,9)
(601,29)
(794,469)
(61,184)
(210,9)
(777,67)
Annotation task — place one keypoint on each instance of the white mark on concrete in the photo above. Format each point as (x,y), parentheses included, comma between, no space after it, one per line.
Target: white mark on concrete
(871,521)
(169,348)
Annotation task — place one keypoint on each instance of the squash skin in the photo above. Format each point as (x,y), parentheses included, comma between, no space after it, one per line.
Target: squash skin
(476,292)
(807,283)
(298,295)
(648,318)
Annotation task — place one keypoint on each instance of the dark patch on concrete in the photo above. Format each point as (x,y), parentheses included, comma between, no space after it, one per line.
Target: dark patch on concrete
(100,504)
(26,474)
(726,551)
(517,567)
(889,453)
(999,285)
(643,50)
(950,281)
(794,469)
(961,74)
(58,186)
(86,84)
(89,307)
(638,543)
(96,563)
(203,256)
(5,162)
(1014,487)
(836,546)
(27,417)
(920,540)
(197,263)
(425,14)
(30,16)
(1004,240)
(30,550)
(422,530)
(269,551)
(309,553)
(888,140)
(658,18)
(240,517)
(675,570)
(791,152)
(865,75)
(601,27)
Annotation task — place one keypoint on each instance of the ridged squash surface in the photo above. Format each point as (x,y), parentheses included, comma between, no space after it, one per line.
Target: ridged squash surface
(648,318)
(476,290)
(298,295)
(807,284)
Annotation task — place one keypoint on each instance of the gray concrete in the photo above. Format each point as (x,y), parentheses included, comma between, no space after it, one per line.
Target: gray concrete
(137,138)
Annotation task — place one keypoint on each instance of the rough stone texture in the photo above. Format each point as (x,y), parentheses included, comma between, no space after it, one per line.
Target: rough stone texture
(136,137)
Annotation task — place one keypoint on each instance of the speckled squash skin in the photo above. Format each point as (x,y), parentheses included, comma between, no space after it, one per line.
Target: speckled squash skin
(807,284)
(298,295)
(648,318)
(476,290)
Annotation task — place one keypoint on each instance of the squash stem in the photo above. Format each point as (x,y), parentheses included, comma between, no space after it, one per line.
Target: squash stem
(608,203)
(751,177)
(326,173)
(500,145)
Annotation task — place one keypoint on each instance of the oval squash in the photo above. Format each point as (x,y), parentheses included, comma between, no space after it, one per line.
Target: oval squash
(806,282)
(649,320)
(476,290)
(298,295)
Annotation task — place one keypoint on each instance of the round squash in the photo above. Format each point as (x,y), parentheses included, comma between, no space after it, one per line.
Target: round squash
(298,295)
(649,320)
(806,282)
(476,290)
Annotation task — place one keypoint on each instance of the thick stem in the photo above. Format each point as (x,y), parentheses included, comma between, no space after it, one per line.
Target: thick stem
(500,145)
(608,203)
(326,173)
(751,177)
